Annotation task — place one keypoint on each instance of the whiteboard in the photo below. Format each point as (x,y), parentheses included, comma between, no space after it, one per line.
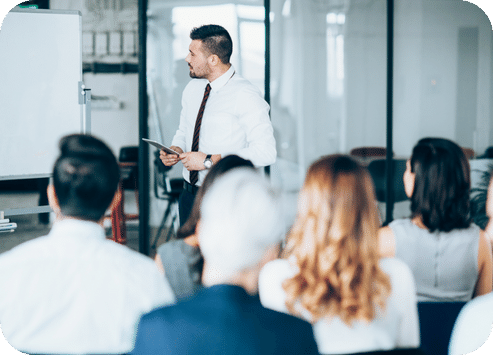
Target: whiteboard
(40,70)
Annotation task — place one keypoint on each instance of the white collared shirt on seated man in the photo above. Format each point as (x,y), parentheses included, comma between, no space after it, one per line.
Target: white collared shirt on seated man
(74,291)
(236,121)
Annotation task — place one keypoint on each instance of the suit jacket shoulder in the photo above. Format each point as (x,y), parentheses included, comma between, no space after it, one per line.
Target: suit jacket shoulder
(223,320)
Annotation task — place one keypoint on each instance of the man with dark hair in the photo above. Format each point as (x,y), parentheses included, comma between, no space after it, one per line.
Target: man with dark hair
(222,113)
(73,291)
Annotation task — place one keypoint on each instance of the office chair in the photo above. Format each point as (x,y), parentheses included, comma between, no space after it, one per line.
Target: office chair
(128,163)
(378,173)
(469,153)
(436,321)
(169,190)
(407,351)
(368,152)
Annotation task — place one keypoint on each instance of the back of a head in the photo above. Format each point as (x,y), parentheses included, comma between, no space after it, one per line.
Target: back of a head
(85,177)
(441,186)
(334,242)
(224,165)
(215,40)
(241,220)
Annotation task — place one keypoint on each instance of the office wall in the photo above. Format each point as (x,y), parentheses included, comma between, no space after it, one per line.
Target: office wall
(428,100)
(118,126)
(115,116)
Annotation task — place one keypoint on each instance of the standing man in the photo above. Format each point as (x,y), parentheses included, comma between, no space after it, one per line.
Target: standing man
(222,113)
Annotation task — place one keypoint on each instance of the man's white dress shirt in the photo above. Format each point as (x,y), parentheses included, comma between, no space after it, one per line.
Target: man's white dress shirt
(74,291)
(236,121)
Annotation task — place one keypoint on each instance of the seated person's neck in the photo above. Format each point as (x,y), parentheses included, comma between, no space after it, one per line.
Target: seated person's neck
(247,279)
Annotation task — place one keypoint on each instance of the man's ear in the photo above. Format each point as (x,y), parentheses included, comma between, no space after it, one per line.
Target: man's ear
(214,60)
(53,199)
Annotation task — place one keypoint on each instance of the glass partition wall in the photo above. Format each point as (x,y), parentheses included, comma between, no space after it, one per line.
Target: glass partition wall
(442,78)
(328,83)
(328,76)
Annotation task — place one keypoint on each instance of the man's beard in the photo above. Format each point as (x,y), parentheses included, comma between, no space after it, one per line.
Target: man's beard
(194,75)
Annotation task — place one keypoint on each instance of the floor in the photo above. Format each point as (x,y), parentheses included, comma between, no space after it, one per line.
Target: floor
(29,226)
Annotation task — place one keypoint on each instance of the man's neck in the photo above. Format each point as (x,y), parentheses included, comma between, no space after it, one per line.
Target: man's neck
(247,279)
(218,71)
(60,217)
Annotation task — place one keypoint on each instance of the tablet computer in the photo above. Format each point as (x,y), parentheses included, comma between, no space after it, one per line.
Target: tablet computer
(160,146)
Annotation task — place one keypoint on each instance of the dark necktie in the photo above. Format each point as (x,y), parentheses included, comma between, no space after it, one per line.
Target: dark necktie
(194,175)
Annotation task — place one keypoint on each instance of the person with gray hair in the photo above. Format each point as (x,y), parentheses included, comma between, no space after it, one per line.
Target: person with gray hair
(239,231)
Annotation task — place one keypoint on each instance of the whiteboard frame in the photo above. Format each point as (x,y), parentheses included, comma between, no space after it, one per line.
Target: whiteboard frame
(84,106)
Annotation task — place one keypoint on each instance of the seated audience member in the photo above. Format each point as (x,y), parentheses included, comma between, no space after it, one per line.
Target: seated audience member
(450,257)
(475,322)
(180,259)
(73,291)
(331,273)
(239,230)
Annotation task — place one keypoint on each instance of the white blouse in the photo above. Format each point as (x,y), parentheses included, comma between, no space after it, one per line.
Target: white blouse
(396,327)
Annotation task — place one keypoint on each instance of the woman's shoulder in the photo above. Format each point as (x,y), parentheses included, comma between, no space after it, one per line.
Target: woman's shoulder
(402,222)
(271,278)
(278,268)
(172,247)
(400,274)
(394,265)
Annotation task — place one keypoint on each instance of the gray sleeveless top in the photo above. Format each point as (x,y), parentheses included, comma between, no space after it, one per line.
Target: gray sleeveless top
(445,265)
(180,262)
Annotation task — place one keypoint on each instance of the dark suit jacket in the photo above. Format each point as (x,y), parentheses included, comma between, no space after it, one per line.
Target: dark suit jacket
(222,319)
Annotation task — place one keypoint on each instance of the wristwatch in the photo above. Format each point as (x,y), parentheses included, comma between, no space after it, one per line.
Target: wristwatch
(208,161)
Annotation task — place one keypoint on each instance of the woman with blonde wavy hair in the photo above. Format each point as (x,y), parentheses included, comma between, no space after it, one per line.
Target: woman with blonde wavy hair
(331,273)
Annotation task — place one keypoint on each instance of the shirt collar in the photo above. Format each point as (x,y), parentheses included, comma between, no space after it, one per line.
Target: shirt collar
(76,228)
(217,84)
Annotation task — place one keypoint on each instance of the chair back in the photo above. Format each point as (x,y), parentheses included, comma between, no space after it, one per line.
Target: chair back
(367,152)
(469,152)
(436,321)
(377,171)
(407,351)
(128,160)
(164,187)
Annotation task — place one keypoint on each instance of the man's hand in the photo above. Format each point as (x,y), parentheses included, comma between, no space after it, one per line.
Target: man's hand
(193,160)
(170,159)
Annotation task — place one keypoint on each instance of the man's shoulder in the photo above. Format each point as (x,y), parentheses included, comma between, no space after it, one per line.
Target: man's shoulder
(126,256)
(287,320)
(244,85)
(26,250)
(171,315)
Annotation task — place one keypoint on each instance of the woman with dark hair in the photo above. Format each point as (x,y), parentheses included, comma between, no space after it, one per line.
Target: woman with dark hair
(180,259)
(331,273)
(449,256)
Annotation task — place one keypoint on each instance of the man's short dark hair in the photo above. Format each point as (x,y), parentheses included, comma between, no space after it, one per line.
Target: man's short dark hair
(85,177)
(215,40)
(441,186)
